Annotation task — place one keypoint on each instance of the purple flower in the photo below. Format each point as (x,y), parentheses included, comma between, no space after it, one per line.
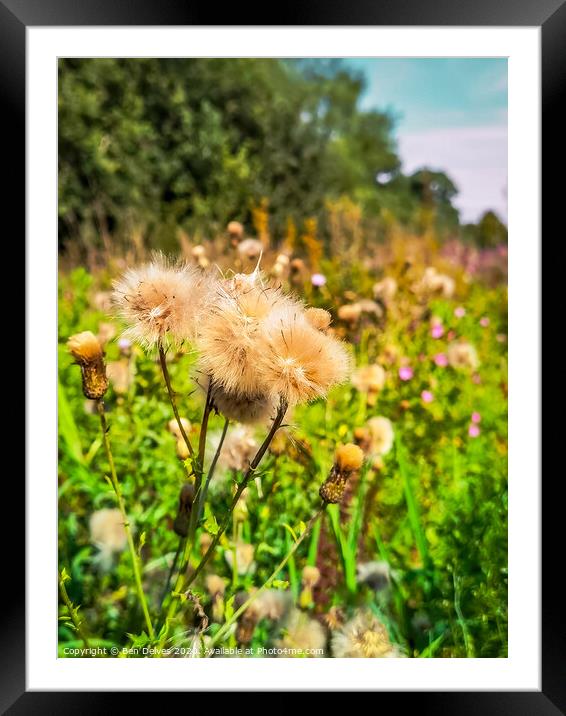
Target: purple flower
(427,396)
(124,344)
(473,431)
(476,417)
(460,312)
(437,331)
(318,279)
(484,322)
(405,372)
(441,360)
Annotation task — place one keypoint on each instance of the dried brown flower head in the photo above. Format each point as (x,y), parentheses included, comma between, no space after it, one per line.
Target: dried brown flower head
(87,351)
(238,449)
(235,230)
(462,354)
(215,585)
(302,634)
(385,289)
(364,637)
(381,435)
(310,576)
(347,461)
(299,362)
(173,427)
(161,302)
(319,318)
(369,378)
(244,558)
(108,533)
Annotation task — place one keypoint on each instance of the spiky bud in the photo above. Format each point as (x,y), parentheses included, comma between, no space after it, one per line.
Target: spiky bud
(348,459)
(87,352)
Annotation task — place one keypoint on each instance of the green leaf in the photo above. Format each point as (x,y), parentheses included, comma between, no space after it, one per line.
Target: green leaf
(291,531)
(229,608)
(141,542)
(280,584)
(432,648)
(211,525)
(67,426)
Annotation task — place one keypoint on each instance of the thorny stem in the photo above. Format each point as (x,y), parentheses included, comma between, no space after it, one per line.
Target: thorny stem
(212,468)
(226,626)
(122,508)
(181,587)
(186,545)
(241,487)
(171,571)
(200,507)
(172,400)
(72,612)
(204,430)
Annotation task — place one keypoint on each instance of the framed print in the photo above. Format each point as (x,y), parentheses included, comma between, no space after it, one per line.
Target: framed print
(274,275)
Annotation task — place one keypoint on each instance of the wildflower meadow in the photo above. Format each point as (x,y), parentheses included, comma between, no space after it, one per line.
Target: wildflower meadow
(283,428)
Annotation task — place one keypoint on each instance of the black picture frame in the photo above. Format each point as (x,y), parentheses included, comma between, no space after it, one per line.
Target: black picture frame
(550,15)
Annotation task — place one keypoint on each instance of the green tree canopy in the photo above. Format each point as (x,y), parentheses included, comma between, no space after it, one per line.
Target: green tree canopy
(193,143)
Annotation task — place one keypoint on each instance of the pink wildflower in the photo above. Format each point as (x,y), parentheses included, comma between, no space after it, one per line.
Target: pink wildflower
(405,372)
(318,279)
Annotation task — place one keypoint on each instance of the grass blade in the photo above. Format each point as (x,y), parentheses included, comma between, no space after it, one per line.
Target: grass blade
(67,426)
(412,505)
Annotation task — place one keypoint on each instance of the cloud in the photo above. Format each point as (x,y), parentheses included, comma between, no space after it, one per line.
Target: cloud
(475,158)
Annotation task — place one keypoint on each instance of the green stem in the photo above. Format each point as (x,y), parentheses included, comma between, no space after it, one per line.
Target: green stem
(234,553)
(171,571)
(241,487)
(181,585)
(197,503)
(122,508)
(226,626)
(172,400)
(72,611)
(213,467)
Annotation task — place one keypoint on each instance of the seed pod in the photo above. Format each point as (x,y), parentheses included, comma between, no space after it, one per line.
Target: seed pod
(95,382)
(182,449)
(332,490)
(87,351)
(347,461)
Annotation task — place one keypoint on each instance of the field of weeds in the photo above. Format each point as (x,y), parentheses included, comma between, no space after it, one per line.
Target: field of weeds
(335,484)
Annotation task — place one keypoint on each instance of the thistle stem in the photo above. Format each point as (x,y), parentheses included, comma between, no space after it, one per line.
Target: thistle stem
(72,612)
(188,544)
(212,468)
(122,507)
(181,585)
(171,571)
(172,399)
(199,507)
(241,487)
(204,430)
(226,626)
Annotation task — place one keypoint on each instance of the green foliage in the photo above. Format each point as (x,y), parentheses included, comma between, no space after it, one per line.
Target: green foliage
(154,145)
(435,512)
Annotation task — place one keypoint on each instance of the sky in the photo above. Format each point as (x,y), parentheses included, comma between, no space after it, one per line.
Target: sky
(451,115)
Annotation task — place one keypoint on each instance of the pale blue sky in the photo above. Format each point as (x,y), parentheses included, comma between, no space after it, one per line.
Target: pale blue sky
(452,115)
